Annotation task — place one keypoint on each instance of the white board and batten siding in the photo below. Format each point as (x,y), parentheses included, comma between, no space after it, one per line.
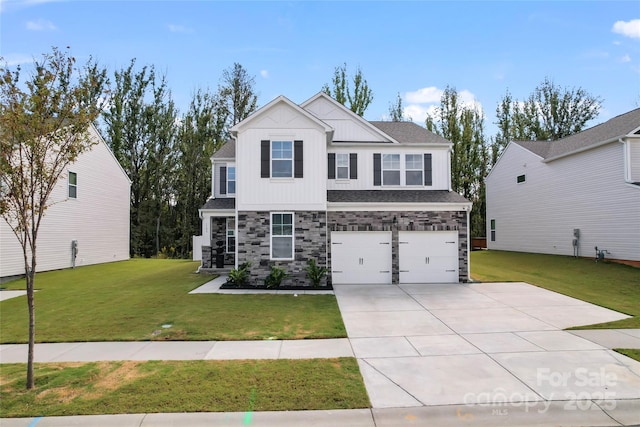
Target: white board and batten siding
(98,218)
(585,191)
(439,164)
(254,193)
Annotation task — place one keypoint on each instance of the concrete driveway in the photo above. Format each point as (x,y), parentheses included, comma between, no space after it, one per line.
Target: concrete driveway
(496,344)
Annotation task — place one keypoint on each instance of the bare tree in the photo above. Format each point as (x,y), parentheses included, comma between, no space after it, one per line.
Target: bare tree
(44,126)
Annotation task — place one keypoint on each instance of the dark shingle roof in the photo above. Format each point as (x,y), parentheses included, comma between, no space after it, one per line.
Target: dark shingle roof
(394,196)
(222,203)
(407,132)
(227,151)
(612,129)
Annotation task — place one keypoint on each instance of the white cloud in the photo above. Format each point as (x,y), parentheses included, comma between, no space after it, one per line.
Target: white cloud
(425,95)
(625,58)
(264,74)
(13,59)
(179,28)
(418,113)
(628,28)
(41,25)
(426,101)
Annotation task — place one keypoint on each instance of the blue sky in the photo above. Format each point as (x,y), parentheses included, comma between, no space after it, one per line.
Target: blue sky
(413,48)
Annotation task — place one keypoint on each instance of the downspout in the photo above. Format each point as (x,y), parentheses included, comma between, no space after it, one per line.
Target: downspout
(468,245)
(449,166)
(627,160)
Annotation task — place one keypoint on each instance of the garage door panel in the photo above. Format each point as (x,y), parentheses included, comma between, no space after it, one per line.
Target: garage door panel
(361,257)
(428,256)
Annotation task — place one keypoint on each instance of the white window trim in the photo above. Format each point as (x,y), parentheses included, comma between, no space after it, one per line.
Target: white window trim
(226,247)
(271,159)
(421,170)
(293,236)
(69,185)
(235,180)
(348,156)
(382,169)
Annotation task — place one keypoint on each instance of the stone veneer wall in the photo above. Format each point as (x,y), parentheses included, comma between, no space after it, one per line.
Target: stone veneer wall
(405,221)
(253,241)
(218,232)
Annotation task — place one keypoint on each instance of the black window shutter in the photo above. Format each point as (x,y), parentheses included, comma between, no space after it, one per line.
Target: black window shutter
(427,169)
(223,180)
(331,165)
(265,157)
(297,159)
(377,169)
(353,166)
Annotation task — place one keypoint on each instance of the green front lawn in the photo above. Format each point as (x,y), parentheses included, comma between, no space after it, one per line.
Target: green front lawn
(192,386)
(609,285)
(132,300)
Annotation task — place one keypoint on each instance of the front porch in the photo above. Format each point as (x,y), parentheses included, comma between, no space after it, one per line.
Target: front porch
(218,237)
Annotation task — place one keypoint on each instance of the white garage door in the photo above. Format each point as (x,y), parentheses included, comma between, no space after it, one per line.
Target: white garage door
(361,257)
(428,256)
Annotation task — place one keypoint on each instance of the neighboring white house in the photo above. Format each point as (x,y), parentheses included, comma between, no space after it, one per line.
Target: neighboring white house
(370,200)
(91,207)
(568,196)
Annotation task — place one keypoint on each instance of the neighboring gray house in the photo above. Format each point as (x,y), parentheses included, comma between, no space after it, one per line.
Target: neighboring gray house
(568,196)
(89,206)
(370,200)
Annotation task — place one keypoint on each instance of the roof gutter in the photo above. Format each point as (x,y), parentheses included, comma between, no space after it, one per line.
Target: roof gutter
(582,149)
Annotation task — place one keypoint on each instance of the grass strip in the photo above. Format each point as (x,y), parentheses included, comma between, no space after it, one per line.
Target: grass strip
(132,300)
(185,386)
(633,353)
(611,285)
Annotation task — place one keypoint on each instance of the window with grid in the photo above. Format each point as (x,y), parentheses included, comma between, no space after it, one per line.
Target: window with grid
(282,236)
(391,169)
(282,159)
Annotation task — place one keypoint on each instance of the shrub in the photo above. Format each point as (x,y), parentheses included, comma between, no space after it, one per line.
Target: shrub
(239,276)
(315,273)
(275,277)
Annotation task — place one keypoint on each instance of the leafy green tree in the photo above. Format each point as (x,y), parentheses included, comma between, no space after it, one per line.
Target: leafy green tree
(44,127)
(548,114)
(396,113)
(359,97)
(140,129)
(237,94)
(464,126)
(201,133)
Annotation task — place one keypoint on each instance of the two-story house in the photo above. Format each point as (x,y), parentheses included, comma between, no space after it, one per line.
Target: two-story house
(372,201)
(569,196)
(87,221)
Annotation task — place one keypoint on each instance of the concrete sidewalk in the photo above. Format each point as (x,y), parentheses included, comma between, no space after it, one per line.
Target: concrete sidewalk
(536,414)
(179,350)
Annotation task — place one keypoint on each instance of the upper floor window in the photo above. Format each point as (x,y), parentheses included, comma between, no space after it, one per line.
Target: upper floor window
(521,178)
(231,180)
(73,185)
(413,169)
(391,169)
(282,159)
(342,166)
